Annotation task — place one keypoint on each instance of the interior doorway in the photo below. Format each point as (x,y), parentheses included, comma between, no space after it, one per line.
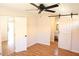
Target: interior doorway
(54,35)
(17,34)
(13,34)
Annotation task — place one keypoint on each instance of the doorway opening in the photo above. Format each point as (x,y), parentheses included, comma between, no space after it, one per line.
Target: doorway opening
(54,35)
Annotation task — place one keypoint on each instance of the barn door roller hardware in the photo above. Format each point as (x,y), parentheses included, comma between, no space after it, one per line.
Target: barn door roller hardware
(71,14)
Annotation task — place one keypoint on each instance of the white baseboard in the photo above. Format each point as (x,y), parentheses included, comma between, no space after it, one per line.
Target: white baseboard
(75,51)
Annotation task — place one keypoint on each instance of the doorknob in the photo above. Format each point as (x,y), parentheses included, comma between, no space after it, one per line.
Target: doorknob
(25,35)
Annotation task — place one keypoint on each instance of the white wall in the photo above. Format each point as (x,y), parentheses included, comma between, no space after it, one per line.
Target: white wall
(44,29)
(4,27)
(38,29)
(31,29)
(10,12)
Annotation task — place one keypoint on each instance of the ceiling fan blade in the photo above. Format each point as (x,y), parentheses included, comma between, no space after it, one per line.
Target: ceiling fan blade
(34,5)
(50,11)
(40,11)
(52,6)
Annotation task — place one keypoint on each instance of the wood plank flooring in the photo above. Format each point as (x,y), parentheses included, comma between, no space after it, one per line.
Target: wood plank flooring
(37,50)
(40,50)
(44,50)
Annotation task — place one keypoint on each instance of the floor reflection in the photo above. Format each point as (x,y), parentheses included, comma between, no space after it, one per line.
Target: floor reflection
(6,50)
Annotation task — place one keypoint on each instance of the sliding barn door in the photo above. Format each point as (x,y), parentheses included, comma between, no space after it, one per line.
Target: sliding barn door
(20,34)
(65,32)
(75,33)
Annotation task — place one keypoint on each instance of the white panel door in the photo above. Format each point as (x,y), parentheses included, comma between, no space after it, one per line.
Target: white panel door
(65,32)
(75,34)
(20,34)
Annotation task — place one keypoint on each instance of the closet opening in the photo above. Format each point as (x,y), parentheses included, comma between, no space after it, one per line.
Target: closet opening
(54,35)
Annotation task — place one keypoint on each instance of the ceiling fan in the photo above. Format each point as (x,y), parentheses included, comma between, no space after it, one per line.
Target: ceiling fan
(42,7)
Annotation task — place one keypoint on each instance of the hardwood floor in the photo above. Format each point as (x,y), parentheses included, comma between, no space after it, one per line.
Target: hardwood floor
(6,51)
(40,50)
(4,48)
(44,50)
(37,50)
(63,52)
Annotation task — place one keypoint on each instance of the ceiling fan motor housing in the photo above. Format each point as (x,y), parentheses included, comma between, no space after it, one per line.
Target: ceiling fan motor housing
(41,7)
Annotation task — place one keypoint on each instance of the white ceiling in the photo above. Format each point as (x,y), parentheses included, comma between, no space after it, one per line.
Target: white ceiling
(63,8)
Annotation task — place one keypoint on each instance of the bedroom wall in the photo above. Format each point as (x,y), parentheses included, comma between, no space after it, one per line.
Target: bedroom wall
(38,29)
(44,29)
(10,12)
(31,29)
(3,20)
